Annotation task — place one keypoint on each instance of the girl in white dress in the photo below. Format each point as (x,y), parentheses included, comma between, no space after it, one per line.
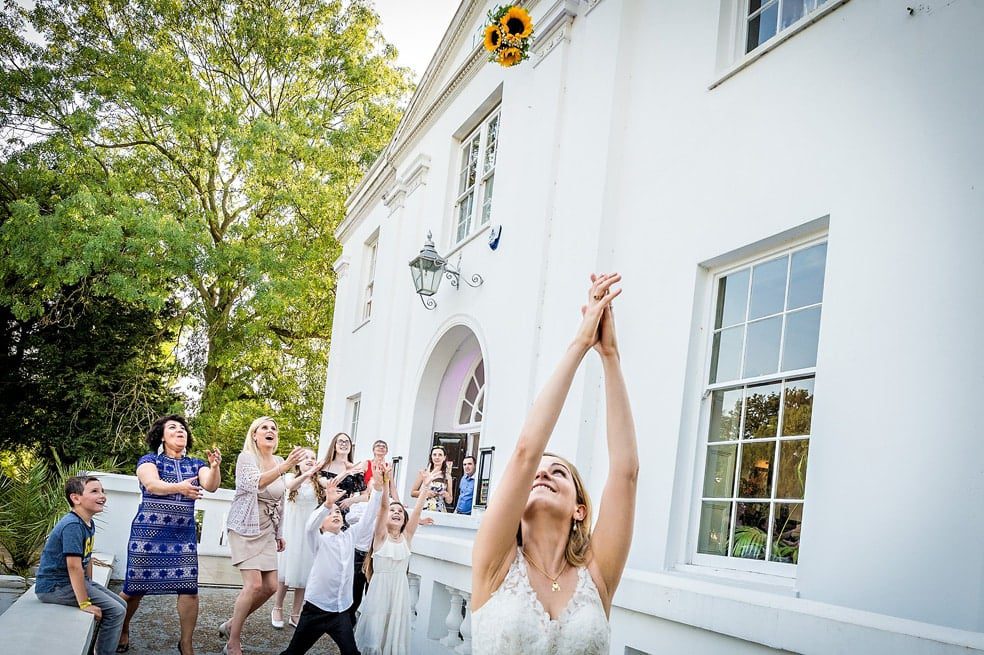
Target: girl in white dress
(304,494)
(384,618)
(540,516)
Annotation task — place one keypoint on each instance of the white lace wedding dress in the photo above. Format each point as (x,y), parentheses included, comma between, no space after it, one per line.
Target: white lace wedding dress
(513,622)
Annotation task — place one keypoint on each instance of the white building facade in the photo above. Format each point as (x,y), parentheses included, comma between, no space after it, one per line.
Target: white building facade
(789,188)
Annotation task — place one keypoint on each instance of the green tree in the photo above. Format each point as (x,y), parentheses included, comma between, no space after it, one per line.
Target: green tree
(245,125)
(86,324)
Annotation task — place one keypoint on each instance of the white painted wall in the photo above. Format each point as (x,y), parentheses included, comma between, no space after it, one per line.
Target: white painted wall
(615,154)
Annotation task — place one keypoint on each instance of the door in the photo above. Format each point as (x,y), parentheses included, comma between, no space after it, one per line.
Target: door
(456,447)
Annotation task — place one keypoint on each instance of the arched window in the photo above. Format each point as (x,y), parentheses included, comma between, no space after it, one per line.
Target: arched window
(472,401)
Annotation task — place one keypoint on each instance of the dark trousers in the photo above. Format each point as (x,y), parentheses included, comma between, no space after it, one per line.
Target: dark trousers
(315,622)
(358,583)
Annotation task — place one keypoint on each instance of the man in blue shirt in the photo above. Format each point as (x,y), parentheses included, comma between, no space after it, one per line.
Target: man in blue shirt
(65,573)
(466,489)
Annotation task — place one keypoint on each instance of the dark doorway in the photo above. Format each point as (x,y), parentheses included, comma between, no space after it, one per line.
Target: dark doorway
(456,447)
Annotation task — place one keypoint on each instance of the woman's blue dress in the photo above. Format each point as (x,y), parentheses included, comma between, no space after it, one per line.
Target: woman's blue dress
(162,554)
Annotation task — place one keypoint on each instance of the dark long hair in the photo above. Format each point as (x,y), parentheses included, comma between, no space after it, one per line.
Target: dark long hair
(156,433)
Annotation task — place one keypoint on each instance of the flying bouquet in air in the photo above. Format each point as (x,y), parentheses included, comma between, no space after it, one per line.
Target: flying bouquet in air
(508,35)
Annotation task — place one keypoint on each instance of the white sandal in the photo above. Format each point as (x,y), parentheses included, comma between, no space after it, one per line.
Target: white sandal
(279,625)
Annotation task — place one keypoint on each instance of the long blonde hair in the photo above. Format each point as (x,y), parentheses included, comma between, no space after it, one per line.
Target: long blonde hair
(319,491)
(579,538)
(249,446)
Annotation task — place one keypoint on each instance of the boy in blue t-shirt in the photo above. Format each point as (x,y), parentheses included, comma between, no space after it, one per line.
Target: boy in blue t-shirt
(65,573)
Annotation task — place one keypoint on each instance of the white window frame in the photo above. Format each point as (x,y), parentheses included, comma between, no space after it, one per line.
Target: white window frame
(733,35)
(371,254)
(482,189)
(471,426)
(728,562)
(353,410)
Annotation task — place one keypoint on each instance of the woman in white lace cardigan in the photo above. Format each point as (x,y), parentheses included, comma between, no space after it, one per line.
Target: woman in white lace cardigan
(254,524)
(541,581)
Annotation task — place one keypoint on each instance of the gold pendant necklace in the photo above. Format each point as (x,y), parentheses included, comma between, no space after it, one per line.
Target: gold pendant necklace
(554,586)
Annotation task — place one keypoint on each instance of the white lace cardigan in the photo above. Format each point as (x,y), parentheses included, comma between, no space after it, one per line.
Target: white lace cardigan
(244,514)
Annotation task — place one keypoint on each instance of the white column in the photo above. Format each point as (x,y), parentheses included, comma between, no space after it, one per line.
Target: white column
(453,620)
(466,648)
(414,581)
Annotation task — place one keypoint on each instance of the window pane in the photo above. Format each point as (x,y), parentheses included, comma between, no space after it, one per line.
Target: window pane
(465,413)
(725,415)
(491,139)
(792,11)
(797,414)
(792,468)
(762,351)
(472,391)
(480,373)
(762,28)
(806,277)
(473,160)
(768,288)
(799,348)
(726,354)
(761,411)
(731,300)
(719,471)
(786,533)
(715,522)
(755,478)
(751,524)
(464,216)
(487,200)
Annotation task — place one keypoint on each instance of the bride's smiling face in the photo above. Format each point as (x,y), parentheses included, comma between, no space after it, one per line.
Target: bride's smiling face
(553,490)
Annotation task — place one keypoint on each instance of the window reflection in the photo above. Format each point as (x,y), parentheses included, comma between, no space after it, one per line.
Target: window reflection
(725,415)
(797,412)
(799,349)
(732,299)
(768,288)
(792,468)
(756,470)
(762,411)
(786,533)
(806,276)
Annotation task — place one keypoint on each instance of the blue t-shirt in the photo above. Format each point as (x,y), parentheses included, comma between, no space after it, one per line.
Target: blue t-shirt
(466,492)
(71,536)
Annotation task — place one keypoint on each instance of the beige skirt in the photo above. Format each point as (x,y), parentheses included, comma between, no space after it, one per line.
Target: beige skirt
(255,552)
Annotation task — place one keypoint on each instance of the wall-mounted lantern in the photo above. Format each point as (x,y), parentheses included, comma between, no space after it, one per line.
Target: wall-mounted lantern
(427,269)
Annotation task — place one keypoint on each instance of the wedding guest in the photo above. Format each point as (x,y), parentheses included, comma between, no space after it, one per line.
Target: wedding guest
(329,587)
(536,533)
(65,573)
(466,488)
(443,485)
(254,525)
(384,620)
(379,451)
(304,494)
(162,553)
(340,461)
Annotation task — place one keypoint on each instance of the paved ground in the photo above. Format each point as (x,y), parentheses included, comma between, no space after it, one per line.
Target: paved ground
(154,629)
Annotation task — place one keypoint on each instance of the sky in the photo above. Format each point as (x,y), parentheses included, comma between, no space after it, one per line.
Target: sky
(415,27)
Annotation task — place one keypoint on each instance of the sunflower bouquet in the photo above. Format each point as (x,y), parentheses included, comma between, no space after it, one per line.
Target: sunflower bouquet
(508,35)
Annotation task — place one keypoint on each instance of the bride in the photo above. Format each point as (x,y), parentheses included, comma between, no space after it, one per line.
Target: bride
(542,582)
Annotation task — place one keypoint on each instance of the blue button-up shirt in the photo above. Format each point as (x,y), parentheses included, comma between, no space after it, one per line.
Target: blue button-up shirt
(467,491)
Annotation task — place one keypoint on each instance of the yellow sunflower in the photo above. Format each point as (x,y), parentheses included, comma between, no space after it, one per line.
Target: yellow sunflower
(509,57)
(516,22)
(493,38)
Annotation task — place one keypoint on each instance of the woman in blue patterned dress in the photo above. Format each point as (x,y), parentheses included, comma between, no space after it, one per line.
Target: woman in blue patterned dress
(162,554)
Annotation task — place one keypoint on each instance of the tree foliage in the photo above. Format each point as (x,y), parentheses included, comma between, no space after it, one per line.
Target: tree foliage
(227,135)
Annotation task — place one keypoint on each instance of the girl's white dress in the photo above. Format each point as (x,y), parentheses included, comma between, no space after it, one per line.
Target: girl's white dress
(294,563)
(513,621)
(384,616)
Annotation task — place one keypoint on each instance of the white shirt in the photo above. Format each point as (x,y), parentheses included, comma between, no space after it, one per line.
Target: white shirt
(329,585)
(355,514)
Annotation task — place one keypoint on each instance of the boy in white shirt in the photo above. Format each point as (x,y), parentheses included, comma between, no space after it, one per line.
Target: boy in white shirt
(329,587)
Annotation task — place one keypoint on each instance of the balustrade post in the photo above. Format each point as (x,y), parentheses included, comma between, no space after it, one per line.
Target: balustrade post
(414,581)
(466,631)
(453,620)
